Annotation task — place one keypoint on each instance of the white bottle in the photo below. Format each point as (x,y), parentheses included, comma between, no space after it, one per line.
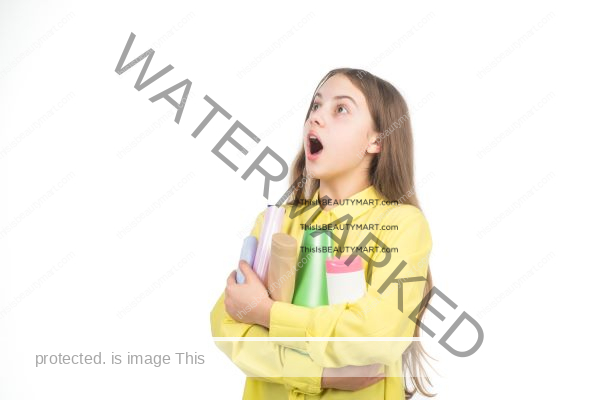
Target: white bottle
(345,283)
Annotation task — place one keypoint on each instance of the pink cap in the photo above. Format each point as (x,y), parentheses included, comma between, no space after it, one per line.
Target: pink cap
(338,266)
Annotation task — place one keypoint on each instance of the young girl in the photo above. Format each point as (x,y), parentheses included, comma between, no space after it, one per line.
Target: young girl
(357,150)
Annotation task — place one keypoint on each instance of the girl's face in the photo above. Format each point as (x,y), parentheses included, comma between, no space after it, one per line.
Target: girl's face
(338,134)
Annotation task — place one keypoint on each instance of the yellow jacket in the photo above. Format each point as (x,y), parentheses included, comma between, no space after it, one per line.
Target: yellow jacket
(278,369)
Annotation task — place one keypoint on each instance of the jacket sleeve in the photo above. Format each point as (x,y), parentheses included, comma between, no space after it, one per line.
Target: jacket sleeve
(373,315)
(263,360)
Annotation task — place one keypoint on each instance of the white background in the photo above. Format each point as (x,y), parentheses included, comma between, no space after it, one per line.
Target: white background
(504,102)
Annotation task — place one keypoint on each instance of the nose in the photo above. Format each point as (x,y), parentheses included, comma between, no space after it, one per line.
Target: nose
(316,117)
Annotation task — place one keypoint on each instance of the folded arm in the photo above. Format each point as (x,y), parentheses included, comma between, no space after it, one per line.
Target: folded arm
(264,360)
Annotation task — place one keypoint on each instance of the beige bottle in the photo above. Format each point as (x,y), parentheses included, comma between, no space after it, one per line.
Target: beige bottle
(282,267)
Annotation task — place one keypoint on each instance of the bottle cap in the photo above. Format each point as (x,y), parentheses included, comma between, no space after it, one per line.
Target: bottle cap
(338,265)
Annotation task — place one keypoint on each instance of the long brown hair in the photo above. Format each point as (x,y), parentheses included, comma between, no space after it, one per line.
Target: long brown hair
(392,175)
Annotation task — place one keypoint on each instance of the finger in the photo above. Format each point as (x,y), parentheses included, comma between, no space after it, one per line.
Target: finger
(371,381)
(363,371)
(375,368)
(231,278)
(247,270)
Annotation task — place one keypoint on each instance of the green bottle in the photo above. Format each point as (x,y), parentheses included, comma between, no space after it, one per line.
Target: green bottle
(311,274)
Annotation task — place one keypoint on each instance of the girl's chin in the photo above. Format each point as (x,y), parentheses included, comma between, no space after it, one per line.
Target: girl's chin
(313,170)
(319,173)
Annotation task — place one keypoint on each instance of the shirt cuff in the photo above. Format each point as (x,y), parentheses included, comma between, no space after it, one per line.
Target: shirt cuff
(302,373)
(288,320)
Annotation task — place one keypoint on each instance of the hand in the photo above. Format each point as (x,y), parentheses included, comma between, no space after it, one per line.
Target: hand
(351,377)
(248,302)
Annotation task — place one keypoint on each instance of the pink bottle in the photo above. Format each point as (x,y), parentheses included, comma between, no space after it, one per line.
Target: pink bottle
(273,222)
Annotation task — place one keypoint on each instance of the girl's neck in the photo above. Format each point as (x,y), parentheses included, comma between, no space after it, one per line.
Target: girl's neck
(342,188)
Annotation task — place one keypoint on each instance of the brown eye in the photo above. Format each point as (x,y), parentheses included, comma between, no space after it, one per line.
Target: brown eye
(341,107)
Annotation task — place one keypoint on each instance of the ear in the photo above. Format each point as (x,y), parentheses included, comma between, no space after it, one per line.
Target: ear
(374,143)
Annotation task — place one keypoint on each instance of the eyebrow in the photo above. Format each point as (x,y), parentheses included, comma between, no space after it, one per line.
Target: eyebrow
(340,97)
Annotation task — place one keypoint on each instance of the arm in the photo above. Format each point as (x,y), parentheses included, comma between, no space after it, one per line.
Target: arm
(266,360)
(373,315)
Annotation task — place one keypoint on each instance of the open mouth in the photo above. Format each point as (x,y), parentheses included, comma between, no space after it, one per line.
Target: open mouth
(315,145)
